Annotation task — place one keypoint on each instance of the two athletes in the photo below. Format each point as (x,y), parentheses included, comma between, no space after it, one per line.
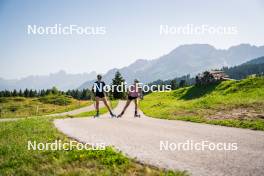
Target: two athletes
(133,94)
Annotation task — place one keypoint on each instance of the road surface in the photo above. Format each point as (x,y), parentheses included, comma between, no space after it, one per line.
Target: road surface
(78,111)
(141,138)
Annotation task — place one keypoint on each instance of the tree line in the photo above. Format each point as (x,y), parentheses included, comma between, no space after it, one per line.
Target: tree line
(244,70)
(236,72)
(84,94)
(178,82)
(87,94)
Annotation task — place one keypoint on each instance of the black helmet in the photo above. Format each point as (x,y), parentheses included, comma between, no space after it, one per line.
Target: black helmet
(99,77)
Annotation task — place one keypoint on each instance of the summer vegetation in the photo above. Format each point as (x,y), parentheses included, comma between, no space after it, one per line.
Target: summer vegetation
(229,103)
(84,94)
(16,159)
(21,107)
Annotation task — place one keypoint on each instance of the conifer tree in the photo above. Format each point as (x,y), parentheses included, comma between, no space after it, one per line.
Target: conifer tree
(118,80)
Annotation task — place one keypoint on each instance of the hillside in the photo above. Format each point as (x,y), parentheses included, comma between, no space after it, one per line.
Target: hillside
(259,60)
(254,66)
(185,59)
(19,107)
(229,103)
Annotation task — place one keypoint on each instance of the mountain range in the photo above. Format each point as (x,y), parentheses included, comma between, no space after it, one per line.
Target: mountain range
(185,59)
(61,80)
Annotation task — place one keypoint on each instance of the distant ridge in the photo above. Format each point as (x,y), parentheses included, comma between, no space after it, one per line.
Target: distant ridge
(61,80)
(185,59)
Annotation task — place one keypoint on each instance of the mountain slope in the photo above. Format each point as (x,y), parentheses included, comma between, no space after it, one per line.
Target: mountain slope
(259,60)
(184,59)
(229,103)
(254,66)
(61,80)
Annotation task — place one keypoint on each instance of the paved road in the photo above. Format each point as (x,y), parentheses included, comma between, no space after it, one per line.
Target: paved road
(141,137)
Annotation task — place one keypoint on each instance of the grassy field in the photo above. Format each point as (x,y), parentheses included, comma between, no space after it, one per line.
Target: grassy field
(19,107)
(229,103)
(101,111)
(16,159)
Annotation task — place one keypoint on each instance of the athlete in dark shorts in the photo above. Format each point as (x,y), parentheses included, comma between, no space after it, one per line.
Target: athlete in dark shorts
(99,86)
(98,89)
(131,98)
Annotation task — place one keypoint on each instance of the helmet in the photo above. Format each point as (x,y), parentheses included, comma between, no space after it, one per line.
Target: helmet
(136,81)
(99,76)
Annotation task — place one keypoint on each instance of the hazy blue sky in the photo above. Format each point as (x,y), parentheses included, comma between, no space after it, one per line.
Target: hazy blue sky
(132,31)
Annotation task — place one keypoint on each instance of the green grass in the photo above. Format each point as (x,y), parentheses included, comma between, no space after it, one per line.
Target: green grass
(16,159)
(202,103)
(19,107)
(56,99)
(101,110)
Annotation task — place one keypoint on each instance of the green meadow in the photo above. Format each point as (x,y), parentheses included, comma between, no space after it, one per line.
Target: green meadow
(21,107)
(229,103)
(16,159)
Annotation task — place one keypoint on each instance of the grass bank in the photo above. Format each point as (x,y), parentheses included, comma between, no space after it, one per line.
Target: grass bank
(229,103)
(16,159)
(20,107)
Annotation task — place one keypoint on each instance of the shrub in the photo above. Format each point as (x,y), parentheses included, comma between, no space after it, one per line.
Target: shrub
(56,99)
(3,100)
(13,108)
(19,99)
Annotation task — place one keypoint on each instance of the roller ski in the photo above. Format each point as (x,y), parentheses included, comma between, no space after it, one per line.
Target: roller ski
(120,115)
(112,115)
(137,115)
(97,114)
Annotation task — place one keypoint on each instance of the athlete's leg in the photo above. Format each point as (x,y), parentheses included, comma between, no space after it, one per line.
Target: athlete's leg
(97,99)
(106,104)
(124,109)
(136,106)
(108,107)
